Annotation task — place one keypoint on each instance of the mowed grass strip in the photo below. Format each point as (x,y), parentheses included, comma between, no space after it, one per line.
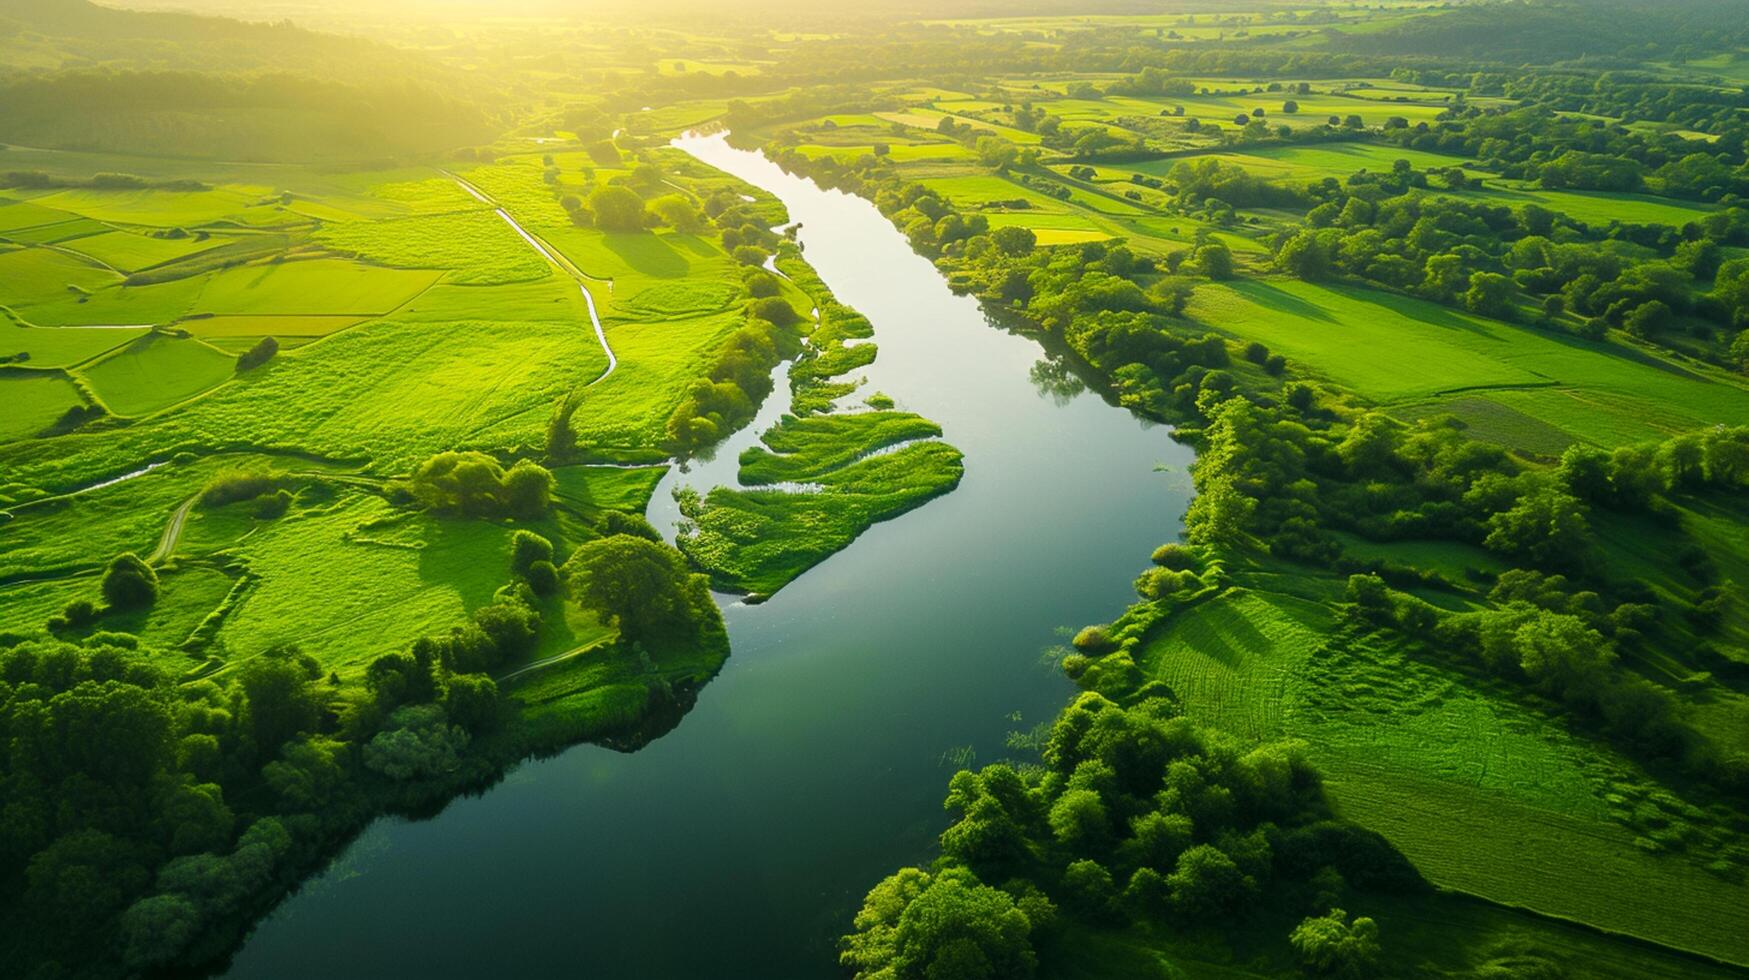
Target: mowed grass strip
(15,215)
(158,207)
(607,487)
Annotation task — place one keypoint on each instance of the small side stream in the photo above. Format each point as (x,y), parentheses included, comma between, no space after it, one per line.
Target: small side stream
(741,843)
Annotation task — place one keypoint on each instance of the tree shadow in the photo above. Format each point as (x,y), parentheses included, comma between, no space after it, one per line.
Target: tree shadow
(648,254)
(1281,301)
(1419,310)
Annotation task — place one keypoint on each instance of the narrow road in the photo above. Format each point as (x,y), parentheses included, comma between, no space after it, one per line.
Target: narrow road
(558,261)
(548,662)
(172,531)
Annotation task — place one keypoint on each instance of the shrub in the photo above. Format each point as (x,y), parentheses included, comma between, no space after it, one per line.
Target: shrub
(1330,945)
(1093,639)
(230,486)
(776,311)
(258,355)
(475,484)
(527,548)
(271,505)
(543,578)
(1174,556)
(129,583)
(762,284)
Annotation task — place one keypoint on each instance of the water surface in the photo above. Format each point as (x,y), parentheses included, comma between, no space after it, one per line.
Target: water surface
(741,843)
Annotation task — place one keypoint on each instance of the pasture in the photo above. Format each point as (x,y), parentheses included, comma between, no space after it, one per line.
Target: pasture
(1408,353)
(155,372)
(34,400)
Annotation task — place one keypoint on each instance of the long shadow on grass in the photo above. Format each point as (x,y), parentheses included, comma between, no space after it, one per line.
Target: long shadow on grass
(649,254)
(1281,301)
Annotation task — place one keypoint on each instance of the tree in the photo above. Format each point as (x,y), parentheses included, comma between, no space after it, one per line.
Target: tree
(617,209)
(1490,294)
(947,926)
(1647,319)
(1561,653)
(1214,260)
(761,284)
(1014,240)
(417,742)
(526,548)
(679,213)
(1290,107)
(129,583)
(996,153)
(1079,822)
(1207,884)
(1546,525)
(1332,946)
(1305,255)
(640,584)
(1584,472)
(561,435)
(257,355)
(155,930)
(280,698)
(528,489)
(776,311)
(307,774)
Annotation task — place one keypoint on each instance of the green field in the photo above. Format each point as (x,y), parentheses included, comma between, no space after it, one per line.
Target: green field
(156,372)
(320,286)
(34,400)
(1409,353)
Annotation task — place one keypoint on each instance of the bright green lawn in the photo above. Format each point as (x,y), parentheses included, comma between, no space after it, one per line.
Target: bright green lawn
(130,252)
(406,575)
(156,372)
(33,400)
(328,286)
(1401,351)
(59,346)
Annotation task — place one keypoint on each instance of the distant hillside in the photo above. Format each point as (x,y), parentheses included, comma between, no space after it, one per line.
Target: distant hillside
(274,117)
(38,35)
(75,75)
(1516,32)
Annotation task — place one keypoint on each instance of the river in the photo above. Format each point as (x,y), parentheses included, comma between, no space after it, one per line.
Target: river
(740,844)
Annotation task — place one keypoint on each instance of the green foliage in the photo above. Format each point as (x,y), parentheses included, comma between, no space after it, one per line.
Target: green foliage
(642,586)
(129,583)
(475,484)
(942,926)
(1330,945)
(418,741)
(618,209)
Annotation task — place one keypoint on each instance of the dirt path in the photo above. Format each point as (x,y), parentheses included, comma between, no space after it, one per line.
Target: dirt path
(549,661)
(172,532)
(558,261)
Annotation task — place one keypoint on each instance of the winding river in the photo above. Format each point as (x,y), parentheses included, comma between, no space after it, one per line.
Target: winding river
(741,843)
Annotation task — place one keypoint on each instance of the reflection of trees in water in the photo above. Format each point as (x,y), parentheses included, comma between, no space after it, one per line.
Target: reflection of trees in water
(1055,380)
